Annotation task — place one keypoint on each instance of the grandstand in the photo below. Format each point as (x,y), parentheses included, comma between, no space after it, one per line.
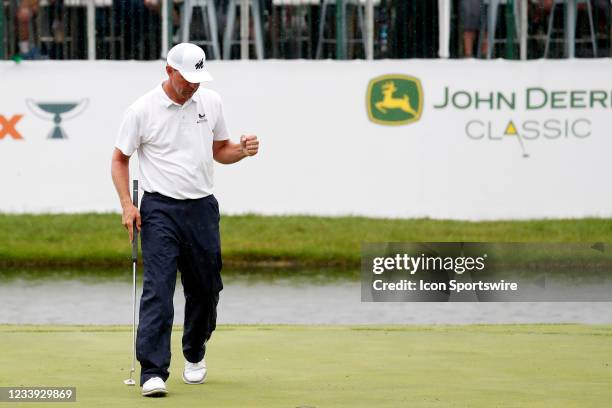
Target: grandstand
(306,29)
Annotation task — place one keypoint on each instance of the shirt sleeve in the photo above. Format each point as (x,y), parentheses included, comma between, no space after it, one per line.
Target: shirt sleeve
(128,138)
(220,131)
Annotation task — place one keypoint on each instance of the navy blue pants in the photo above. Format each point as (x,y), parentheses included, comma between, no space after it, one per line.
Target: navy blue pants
(183,235)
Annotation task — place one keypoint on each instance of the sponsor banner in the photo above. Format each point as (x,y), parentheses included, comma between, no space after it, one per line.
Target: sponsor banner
(406,138)
(486,272)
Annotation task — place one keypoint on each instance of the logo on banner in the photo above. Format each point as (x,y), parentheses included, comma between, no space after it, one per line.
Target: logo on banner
(8,127)
(57,112)
(525,115)
(395,100)
(509,129)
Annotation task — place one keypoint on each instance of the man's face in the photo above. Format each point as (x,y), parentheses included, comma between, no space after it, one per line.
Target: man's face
(181,86)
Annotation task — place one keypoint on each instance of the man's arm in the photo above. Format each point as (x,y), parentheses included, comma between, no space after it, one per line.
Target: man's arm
(226,152)
(120,171)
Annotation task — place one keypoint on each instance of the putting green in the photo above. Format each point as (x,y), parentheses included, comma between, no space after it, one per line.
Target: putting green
(330,366)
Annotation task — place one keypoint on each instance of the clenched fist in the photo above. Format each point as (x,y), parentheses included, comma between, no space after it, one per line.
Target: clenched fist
(249,144)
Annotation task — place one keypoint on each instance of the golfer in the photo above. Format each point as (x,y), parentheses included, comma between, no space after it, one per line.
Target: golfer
(177,129)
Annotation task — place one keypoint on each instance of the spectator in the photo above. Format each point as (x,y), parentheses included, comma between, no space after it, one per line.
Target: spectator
(26,11)
(471,12)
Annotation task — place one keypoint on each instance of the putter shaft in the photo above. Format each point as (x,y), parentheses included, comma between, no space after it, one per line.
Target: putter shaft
(130,381)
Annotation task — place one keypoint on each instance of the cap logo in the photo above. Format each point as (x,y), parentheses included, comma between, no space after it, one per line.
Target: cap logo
(200,64)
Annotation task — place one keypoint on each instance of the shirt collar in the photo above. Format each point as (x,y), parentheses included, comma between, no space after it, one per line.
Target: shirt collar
(167,102)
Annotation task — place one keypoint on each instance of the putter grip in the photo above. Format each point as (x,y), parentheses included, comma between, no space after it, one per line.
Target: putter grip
(135,229)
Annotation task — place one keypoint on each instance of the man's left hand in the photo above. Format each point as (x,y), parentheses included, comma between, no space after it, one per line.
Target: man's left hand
(249,144)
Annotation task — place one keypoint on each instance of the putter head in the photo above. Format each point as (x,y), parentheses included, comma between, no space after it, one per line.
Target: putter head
(129,381)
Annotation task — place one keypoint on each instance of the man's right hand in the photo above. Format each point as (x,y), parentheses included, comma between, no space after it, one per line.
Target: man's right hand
(130,213)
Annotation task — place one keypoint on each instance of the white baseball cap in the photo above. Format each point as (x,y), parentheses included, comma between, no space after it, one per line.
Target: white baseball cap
(188,59)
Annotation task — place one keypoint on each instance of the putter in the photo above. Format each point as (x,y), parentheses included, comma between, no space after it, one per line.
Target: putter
(130,381)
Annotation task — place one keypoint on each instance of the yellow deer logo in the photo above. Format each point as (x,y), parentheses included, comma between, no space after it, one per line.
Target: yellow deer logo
(389,102)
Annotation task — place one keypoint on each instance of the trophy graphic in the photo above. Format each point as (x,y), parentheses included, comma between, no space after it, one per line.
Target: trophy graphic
(57,111)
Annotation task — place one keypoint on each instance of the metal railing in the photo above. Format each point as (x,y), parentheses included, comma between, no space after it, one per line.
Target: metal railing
(369,29)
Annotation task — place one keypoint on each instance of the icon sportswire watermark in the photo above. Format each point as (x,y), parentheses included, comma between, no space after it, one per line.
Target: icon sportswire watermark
(485,272)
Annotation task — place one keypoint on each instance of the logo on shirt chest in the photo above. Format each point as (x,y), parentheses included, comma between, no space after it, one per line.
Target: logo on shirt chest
(202,118)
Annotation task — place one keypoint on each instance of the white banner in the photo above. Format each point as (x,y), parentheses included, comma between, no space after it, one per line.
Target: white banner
(442,139)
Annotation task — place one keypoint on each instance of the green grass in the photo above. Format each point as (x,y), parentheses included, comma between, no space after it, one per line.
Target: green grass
(535,366)
(99,239)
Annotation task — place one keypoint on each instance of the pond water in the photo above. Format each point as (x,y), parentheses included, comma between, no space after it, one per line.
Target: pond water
(294,297)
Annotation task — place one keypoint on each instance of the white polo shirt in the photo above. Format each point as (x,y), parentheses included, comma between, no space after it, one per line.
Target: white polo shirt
(174,142)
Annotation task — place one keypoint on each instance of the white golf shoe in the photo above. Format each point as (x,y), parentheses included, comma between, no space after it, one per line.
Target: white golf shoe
(154,387)
(195,373)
